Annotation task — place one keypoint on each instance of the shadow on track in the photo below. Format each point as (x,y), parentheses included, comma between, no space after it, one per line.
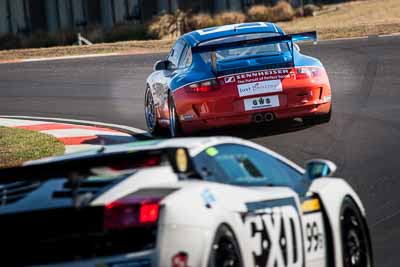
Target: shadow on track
(258,130)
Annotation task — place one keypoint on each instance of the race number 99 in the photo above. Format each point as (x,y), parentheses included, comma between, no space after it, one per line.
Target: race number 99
(314,236)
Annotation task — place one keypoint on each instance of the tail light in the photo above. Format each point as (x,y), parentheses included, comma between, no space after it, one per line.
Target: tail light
(202,87)
(131,212)
(308,72)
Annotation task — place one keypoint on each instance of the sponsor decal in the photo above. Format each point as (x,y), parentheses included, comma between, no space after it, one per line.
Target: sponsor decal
(275,234)
(208,198)
(261,102)
(257,88)
(229,79)
(181,160)
(264,75)
(212,151)
(224,28)
(314,236)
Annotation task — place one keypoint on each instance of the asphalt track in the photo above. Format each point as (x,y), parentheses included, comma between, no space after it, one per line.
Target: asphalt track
(363,137)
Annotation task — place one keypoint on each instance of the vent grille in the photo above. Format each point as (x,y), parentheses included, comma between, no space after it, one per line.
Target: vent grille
(12,192)
(85,187)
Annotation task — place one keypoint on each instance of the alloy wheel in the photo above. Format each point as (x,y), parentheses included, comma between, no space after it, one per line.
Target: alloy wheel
(149,111)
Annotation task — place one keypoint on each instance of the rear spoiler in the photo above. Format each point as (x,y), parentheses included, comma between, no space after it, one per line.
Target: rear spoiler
(305,36)
(81,165)
(296,37)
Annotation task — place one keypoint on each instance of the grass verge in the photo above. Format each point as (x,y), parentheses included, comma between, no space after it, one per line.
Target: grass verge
(18,145)
(351,19)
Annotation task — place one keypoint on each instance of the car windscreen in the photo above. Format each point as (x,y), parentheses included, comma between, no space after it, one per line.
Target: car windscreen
(246,166)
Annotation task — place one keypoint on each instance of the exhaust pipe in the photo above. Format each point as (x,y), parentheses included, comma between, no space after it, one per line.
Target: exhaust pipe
(269,117)
(258,118)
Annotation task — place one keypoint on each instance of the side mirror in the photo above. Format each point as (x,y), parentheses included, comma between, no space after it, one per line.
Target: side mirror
(317,168)
(161,65)
(297,47)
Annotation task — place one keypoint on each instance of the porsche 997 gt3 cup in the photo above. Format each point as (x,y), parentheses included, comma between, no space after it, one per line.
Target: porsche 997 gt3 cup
(236,74)
(180,202)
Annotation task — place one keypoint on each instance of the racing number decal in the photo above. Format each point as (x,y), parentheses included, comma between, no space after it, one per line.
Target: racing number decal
(231,27)
(275,236)
(314,236)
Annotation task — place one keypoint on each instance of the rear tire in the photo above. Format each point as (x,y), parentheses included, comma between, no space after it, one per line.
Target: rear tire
(225,250)
(357,251)
(174,125)
(150,114)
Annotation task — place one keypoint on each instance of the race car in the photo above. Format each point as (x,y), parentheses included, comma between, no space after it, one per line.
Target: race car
(216,201)
(233,75)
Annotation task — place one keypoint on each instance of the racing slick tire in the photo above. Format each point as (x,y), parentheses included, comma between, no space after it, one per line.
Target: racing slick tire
(318,119)
(225,249)
(174,125)
(150,114)
(357,251)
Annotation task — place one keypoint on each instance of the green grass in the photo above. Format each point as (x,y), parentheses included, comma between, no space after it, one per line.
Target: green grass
(18,145)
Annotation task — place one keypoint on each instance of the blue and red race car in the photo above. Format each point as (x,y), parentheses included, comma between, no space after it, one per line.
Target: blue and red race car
(236,74)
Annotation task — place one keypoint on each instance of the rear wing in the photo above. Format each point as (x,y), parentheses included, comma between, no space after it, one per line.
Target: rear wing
(81,165)
(297,37)
(290,38)
(305,36)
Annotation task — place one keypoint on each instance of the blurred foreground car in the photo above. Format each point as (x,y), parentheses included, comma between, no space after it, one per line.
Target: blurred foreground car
(216,201)
(236,74)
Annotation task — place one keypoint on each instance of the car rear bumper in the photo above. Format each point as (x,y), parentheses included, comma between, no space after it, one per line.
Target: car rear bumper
(193,124)
(137,259)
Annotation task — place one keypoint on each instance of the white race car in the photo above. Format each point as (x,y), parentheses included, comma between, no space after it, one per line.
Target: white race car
(216,202)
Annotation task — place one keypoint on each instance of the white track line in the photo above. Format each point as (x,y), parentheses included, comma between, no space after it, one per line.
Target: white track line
(389,35)
(18,122)
(70,57)
(72,132)
(92,123)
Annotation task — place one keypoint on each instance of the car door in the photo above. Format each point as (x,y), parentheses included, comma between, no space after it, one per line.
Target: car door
(271,229)
(278,173)
(161,79)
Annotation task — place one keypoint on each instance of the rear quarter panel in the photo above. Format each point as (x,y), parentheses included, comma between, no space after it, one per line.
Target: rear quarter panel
(199,208)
